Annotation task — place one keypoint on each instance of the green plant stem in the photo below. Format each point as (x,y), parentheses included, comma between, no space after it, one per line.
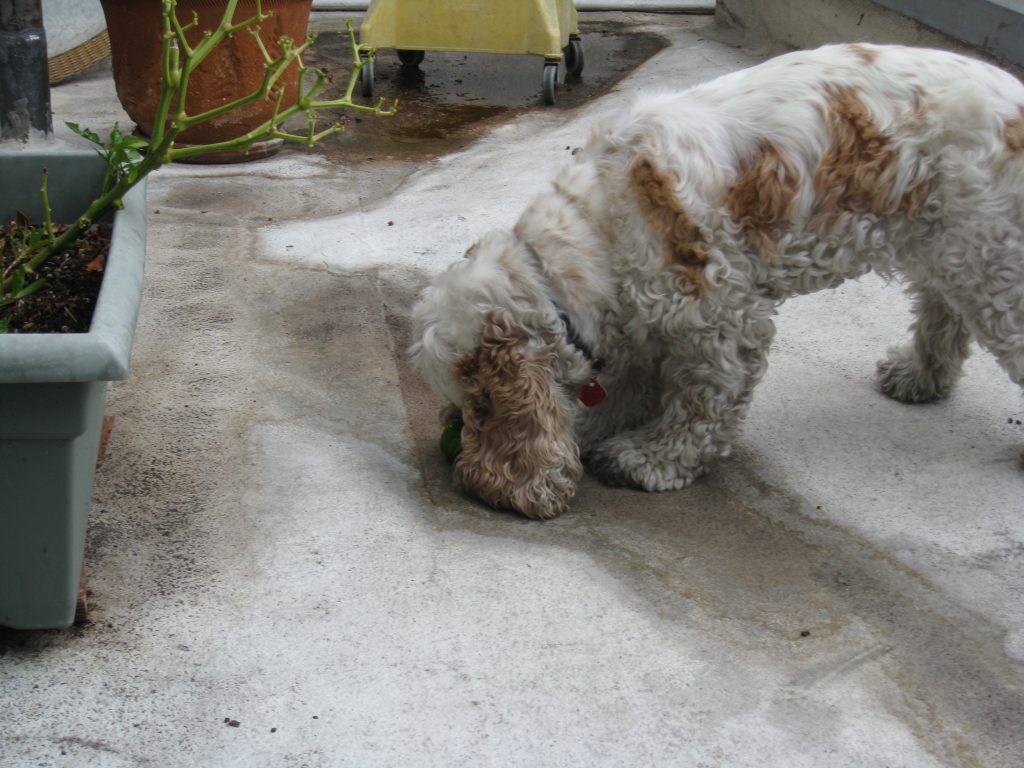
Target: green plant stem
(47,213)
(178,61)
(57,244)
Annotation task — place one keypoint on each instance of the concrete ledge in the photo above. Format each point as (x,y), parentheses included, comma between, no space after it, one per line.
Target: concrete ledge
(994,26)
(810,23)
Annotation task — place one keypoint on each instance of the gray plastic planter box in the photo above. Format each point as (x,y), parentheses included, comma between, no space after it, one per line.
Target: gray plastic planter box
(52,392)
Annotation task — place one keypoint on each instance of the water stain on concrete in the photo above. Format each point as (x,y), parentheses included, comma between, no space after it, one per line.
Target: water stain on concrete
(744,563)
(450,99)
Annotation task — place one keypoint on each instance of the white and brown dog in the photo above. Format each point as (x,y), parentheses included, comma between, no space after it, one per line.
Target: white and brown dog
(659,257)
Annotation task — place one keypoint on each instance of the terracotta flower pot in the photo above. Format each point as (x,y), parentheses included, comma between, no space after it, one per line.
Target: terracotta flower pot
(234,69)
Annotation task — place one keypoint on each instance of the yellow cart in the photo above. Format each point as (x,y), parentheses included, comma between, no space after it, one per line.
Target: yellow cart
(548,28)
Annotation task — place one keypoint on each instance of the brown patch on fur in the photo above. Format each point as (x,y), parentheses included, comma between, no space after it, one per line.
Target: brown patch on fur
(914,198)
(858,172)
(867,55)
(684,244)
(574,277)
(1014,132)
(519,278)
(920,105)
(517,447)
(761,200)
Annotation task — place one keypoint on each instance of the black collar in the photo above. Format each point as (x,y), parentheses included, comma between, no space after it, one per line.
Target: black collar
(572,335)
(576,340)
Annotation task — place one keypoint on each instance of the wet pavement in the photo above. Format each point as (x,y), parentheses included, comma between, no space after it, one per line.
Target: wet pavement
(452,98)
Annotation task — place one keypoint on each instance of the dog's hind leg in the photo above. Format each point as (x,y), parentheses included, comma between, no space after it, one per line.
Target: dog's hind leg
(927,368)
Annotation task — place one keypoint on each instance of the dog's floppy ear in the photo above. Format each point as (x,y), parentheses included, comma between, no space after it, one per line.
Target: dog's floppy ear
(518,450)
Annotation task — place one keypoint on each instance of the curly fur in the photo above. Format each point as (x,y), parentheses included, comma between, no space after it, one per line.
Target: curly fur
(517,446)
(670,242)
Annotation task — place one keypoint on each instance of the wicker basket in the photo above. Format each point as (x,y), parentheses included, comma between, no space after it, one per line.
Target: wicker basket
(80,58)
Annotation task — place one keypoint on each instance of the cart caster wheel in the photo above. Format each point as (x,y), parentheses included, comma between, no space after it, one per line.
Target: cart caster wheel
(366,79)
(411,58)
(573,54)
(550,82)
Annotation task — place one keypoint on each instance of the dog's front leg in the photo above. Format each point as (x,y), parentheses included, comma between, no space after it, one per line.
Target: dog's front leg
(705,393)
(665,454)
(634,394)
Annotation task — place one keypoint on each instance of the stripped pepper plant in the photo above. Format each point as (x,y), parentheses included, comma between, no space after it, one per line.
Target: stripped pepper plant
(129,158)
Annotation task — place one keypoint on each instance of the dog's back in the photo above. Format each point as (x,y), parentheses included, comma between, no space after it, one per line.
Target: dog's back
(866,153)
(929,98)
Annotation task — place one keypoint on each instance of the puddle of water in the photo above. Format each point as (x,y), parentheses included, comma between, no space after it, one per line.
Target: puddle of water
(451,98)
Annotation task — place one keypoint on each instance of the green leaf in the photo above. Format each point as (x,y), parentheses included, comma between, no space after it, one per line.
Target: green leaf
(85,133)
(125,162)
(16,288)
(135,142)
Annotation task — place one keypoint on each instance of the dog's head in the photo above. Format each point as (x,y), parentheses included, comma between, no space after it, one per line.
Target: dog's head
(486,340)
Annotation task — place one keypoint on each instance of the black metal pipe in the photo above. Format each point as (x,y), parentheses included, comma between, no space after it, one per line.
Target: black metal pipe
(24,72)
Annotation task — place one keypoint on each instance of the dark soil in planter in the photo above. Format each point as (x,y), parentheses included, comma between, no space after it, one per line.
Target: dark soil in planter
(66,301)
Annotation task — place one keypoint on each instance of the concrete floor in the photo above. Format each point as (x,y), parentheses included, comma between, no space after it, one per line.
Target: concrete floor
(275,539)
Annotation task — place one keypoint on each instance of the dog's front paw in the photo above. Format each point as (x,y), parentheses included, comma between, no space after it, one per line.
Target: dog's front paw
(619,461)
(901,378)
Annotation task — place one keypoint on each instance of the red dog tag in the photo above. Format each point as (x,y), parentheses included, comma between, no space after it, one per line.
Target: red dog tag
(592,393)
